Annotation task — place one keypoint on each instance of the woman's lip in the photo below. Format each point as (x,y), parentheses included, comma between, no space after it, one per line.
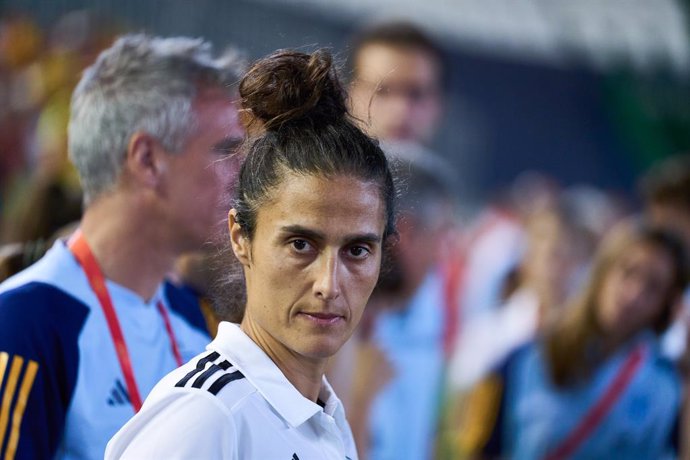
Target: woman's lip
(322,318)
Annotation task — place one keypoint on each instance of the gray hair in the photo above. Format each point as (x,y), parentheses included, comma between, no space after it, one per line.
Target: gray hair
(140,83)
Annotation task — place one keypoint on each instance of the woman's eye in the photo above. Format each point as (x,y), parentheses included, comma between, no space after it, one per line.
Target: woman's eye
(300,245)
(359,251)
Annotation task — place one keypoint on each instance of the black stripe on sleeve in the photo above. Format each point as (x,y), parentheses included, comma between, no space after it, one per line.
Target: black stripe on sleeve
(209,372)
(199,367)
(224,380)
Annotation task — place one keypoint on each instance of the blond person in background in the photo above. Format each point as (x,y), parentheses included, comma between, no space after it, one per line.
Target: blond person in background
(595,383)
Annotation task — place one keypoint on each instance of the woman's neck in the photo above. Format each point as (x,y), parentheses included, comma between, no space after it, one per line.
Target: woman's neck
(305,374)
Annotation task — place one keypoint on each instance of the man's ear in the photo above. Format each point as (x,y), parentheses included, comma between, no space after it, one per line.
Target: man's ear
(241,245)
(144,162)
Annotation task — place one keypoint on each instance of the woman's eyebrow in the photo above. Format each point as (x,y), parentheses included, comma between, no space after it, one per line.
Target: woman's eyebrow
(304,231)
(368,237)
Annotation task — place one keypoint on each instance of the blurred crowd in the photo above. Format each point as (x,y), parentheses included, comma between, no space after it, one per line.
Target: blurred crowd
(552,324)
(39,187)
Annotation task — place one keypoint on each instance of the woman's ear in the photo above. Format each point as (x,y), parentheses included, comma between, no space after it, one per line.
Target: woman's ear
(240,243)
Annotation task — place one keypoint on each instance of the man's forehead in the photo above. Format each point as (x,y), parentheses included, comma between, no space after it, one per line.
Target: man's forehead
(223,106)
(381,55)
(210,94)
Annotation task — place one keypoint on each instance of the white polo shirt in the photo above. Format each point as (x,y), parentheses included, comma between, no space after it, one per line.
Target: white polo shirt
(232,402)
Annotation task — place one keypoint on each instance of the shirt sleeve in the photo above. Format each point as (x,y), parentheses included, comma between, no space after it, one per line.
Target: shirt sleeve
(179,426)
(39,356)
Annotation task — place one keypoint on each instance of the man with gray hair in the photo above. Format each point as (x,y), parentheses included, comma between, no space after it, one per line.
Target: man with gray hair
(88,330)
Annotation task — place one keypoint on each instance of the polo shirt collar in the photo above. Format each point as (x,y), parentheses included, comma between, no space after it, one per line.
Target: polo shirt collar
(268,379)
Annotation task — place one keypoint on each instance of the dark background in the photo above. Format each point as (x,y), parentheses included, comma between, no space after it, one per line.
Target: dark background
(505,115)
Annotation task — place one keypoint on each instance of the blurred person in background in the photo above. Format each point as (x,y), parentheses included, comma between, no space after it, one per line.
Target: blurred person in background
(211,273)
(88,330)
(21,42)
(494,242)
(397,82)
(665,189)
(45,195)
(557,249)
(42,195)
(400,353)
(595,384)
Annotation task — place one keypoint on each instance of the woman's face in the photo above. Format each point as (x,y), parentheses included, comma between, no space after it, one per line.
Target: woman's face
(635,289)
(312,263)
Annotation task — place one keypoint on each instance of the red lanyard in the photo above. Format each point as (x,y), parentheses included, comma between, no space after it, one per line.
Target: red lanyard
(83,254)
(452,279)
(598,412)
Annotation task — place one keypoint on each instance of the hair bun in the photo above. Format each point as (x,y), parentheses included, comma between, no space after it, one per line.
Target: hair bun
(289,87)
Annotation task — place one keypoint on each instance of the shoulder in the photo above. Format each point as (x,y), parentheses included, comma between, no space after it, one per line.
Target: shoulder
(191,413)
(37,311)
(663,369)
(475,418)
(487,404)
(57,266)
(177,424)
(528,354)
(53,286)
(212,375)
(37,297)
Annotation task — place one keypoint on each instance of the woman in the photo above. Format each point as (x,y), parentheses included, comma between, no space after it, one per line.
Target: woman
(313,211)
(595,385)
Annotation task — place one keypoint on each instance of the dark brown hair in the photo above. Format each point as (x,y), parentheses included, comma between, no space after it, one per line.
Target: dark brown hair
(296,104)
